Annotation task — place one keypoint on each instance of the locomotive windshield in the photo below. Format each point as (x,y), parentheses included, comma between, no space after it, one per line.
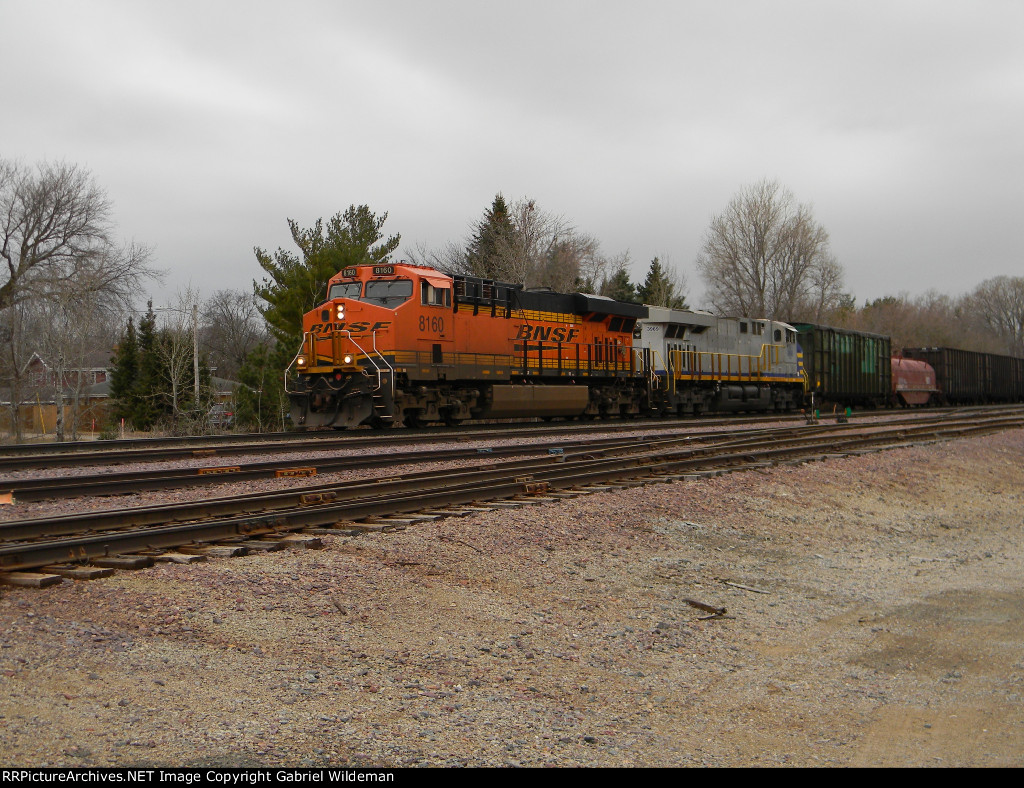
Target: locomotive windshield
(388,292)
(382,292)
(345,290)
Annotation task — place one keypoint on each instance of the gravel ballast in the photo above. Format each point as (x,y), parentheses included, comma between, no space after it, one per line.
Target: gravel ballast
(873,616)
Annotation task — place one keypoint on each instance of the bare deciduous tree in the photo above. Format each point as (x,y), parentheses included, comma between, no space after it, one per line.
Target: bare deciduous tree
(73,325)
(451,259)
(55,227)
(522,244)
(998,305)
(766,256)
(177,348)
(59,257)
(231,327)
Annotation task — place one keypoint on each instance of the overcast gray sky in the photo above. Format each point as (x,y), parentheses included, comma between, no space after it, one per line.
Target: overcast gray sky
(209,123)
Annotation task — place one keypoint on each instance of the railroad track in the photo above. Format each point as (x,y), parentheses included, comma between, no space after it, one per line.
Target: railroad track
(92,453)
(117,483)
(22,457)
(60,546)
(360,455)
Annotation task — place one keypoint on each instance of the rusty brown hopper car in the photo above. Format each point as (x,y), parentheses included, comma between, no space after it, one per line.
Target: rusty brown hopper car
(913,382)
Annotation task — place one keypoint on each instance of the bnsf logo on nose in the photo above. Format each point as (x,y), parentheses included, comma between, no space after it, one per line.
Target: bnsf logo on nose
(547,333)
(355,328)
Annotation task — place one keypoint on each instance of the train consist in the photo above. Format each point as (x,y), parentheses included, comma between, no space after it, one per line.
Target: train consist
(406,343)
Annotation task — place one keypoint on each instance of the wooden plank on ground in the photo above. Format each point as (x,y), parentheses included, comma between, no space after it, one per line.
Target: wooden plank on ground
(29,579)
(179,558)
(266,546)
(308,541)
(217,550)
(123,561)
(76,572)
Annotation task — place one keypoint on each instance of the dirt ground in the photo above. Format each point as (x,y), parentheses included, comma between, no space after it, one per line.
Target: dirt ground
(873,618)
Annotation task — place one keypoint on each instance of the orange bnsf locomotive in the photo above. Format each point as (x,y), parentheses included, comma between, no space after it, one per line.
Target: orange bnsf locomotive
(407,343)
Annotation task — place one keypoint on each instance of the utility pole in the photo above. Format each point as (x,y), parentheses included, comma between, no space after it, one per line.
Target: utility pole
(195,347)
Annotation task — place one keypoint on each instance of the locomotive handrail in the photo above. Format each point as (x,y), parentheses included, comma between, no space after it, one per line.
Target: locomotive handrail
(600,357)
(288,369)
(391,369)
(706,362)
(650,365)
(369,358)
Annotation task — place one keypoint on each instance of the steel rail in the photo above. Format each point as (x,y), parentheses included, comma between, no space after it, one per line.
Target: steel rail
(117,483)
(35,456)
(685,446)
(107,519)
(402,496)
(90,454)
(45,488)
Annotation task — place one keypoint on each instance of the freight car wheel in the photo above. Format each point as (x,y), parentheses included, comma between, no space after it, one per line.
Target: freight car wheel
(450,420)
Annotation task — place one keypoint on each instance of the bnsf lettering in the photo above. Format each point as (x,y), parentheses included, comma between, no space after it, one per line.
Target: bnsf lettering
(355,328)
(547,333)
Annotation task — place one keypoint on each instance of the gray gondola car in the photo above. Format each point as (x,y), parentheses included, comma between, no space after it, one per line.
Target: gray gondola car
(844,367)
(967,376)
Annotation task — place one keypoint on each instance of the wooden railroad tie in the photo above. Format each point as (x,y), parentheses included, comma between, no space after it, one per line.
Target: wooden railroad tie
(78,572)
(294,472)
(29,579)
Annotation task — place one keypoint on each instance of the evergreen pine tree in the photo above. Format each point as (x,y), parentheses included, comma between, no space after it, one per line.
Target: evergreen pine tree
(123,373)
(260,400)
(491,238)
(147,402)
(618,286)
(658,288)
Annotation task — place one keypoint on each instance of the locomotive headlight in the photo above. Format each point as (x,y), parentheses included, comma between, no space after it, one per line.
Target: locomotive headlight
(346,360)
(300,361)
(339,312)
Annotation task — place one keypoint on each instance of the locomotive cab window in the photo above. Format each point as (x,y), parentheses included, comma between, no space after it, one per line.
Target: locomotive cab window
(388,292)
(743,328)
(435,296)
(345,290)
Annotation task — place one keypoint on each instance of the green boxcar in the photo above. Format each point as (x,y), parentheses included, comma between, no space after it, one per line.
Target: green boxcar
(844,367)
